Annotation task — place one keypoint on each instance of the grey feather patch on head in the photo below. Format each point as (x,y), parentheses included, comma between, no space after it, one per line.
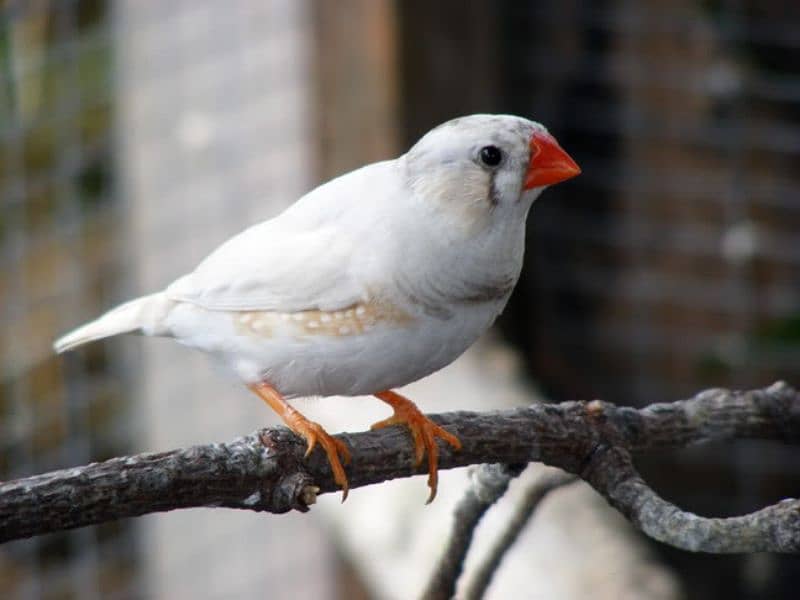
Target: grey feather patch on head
(494,194)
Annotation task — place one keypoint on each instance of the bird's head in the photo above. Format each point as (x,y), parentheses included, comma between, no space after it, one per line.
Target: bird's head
(485,166)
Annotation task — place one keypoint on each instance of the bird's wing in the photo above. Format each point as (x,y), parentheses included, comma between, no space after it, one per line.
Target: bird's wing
(311,257)
(274,266)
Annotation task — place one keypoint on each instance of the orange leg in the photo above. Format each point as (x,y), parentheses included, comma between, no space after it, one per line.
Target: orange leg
(311,431)
(423,431)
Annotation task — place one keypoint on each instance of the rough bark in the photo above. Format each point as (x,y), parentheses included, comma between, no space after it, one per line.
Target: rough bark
(265,471)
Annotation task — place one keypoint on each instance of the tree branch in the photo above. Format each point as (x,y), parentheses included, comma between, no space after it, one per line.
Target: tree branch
(774,528)
(265,471)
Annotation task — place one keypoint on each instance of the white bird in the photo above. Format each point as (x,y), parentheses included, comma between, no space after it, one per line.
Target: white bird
(371,281)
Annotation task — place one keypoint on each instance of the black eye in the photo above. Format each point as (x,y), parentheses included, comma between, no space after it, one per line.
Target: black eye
(491,156)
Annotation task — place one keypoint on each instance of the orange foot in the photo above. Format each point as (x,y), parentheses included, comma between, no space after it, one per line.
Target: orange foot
(423,431)
(311,431)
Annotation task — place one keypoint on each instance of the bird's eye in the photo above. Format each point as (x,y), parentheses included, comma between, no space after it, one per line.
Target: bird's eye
(491,156)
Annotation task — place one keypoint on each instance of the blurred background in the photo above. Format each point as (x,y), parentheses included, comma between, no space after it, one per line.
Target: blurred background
(136,135)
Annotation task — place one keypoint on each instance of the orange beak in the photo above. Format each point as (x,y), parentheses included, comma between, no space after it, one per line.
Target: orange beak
(549,163)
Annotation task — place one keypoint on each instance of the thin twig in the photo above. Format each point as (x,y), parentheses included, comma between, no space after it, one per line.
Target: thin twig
(488,484)
(533,496)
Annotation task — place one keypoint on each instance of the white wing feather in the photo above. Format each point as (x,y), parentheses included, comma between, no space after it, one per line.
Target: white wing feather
(300,260)
(265,269)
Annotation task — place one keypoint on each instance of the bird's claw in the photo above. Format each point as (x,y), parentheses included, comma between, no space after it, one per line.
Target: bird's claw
(423,432)
(334,448)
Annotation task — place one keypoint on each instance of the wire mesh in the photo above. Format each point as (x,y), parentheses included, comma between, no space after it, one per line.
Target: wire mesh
(671,264)
(673,260)
(60,257)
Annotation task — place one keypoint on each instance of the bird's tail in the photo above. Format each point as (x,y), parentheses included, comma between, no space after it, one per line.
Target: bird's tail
(139,314)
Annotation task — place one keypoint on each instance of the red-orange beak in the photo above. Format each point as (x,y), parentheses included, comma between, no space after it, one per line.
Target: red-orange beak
(549,163)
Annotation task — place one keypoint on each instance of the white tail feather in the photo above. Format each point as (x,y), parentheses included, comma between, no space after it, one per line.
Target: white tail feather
(125,318)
